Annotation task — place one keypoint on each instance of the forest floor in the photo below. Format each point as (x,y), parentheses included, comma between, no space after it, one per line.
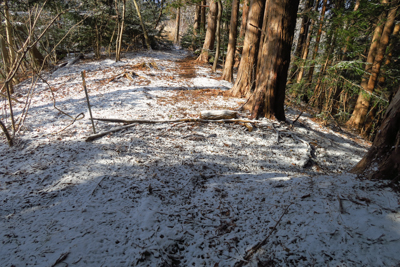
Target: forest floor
(182,194)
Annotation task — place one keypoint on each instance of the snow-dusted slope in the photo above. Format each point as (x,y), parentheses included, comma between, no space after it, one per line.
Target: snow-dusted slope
(181,194)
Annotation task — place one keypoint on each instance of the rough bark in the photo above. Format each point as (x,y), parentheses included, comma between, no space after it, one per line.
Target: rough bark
(245,13)
(230,56)
(248,63)
(177,25)
(376,53)
(210,34)
(383,158)
(269,95)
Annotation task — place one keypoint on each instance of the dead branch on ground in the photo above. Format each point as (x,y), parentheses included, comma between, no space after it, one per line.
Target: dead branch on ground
(255,248)
(133,123)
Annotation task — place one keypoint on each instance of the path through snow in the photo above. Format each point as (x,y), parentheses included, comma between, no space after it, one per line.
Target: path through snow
(183,194)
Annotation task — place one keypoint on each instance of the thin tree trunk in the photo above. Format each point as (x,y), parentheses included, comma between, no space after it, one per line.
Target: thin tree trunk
(210,34)
(159,16)
(10,42)
(248,63)
(218,36)
(388,60)
(317,40)
(301,41)
(383,44)
(177,24)
(339,89)
(245,13)
(230,55)
(197,18)
(146,37)
(203,16)
(269,95)
(196,26)
(374,60)
(118,31)
(306,48)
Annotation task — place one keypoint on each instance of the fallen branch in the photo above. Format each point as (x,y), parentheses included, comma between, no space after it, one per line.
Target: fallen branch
(9,139)
(178,120)
(134,122)
(62,257)
(12,98)
(297,118)
(255,248)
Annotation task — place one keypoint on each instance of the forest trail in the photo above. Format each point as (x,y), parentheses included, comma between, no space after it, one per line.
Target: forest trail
(182,194)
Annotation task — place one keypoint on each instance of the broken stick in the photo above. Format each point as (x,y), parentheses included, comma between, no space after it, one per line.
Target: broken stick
(134,122)
(255,248)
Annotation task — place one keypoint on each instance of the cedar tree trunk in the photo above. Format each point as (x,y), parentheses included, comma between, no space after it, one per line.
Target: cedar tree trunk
(245,14)
(269,95)
(203,16)
(383,158)
(218,36)
(248,63)
(177,24)
(301,41)
(376,53)
(210,34)
(306,48)
(230,56)
(317,40)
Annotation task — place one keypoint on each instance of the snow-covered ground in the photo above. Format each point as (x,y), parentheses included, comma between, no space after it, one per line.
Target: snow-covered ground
(181,194)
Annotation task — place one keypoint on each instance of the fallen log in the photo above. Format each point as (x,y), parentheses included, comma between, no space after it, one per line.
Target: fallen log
(132,123)
(218,114)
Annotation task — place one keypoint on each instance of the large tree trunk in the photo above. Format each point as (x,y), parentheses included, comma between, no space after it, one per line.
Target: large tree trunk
(268,98)
(248,63)
(317,40)
(376,53)
(218,36)
(210,34)
(383,158)
(177,25)
(230,56)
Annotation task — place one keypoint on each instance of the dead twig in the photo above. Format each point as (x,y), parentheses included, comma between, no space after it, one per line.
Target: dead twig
(9,139)
(255,248)
(62,257)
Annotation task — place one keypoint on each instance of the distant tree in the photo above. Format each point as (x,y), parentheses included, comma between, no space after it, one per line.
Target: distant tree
(230,56)
(210,34)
